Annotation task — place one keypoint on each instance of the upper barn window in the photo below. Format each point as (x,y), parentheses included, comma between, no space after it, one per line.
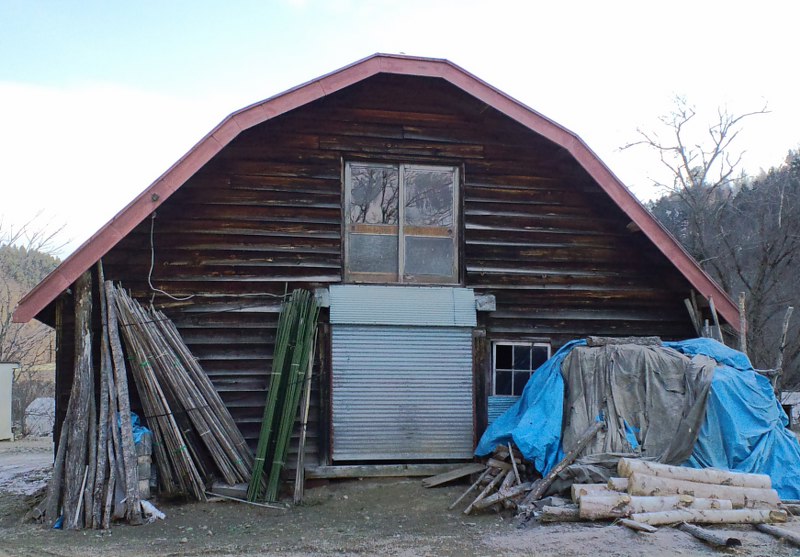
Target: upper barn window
(400,223)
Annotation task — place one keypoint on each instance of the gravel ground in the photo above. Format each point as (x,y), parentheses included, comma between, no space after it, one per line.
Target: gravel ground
(359,517)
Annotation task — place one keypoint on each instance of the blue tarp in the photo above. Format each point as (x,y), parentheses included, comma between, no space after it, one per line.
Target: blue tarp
(534,421)
(744,428)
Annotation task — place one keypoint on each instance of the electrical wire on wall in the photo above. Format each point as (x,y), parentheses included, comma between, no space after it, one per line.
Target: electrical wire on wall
(155,290)
(153,263)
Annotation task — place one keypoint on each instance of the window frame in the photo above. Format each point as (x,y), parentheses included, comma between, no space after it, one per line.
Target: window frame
(530,344)
(402,277)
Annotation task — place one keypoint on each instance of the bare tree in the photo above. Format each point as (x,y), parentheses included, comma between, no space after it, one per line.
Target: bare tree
(703,169)
(26,256)
(745,232)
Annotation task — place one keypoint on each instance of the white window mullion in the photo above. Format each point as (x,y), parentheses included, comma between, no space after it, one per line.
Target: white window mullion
(401,214)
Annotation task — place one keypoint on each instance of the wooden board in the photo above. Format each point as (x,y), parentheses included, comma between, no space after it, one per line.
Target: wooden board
(378,471)
(452,475)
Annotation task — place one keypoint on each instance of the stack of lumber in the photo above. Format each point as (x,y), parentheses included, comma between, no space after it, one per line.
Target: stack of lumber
(291,369)
(95,476)
(503,480)
(195,437)
(648,494)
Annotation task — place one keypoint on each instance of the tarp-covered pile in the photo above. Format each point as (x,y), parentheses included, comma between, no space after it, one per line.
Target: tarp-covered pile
(696,403)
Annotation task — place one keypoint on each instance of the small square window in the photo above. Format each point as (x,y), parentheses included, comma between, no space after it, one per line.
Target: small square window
(513,364)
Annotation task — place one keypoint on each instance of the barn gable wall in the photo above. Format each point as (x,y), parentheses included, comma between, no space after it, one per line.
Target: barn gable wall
(265,216)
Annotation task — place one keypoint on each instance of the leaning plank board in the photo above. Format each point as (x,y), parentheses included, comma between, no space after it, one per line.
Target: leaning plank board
(628,466)
(741,497)
(452,475)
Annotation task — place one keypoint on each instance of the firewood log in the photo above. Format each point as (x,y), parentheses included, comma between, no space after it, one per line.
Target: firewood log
(741,497)
(596,507)
(627,466)
(737,516)
(579,490)
(560,514)
(618,484)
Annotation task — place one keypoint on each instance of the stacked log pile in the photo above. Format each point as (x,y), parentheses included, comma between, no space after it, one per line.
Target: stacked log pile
(647,495)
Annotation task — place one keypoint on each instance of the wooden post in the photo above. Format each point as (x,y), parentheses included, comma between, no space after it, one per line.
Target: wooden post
(695,319)
(77,436)
(716,331)
(102,430)
(776,380)
(301,447)
(742,324)
(130,463)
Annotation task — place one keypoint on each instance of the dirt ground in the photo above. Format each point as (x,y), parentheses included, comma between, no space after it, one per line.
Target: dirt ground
(360,517)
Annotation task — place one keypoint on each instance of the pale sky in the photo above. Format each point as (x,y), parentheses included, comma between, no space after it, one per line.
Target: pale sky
(98,98)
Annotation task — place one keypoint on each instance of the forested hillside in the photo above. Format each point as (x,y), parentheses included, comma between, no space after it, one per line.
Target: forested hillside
(746,234)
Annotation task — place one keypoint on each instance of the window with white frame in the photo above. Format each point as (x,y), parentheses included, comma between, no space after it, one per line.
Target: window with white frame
(400,223)
(513,363)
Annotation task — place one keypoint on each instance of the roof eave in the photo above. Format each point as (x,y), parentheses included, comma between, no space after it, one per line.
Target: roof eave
(159,191)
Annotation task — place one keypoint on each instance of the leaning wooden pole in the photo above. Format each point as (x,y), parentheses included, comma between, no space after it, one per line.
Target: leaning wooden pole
(717,332)
(781,347)
(77,436)
(541,486)
(742,324)
(103,440)
(132,505)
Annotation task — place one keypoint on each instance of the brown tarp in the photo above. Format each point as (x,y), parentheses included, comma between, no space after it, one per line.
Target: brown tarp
(653,389)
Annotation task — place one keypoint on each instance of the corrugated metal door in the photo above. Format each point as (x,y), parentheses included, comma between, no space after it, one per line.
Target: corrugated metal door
(402,372)
(402,393)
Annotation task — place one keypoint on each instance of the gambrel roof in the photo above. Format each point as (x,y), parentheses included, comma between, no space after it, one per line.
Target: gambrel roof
(158,192)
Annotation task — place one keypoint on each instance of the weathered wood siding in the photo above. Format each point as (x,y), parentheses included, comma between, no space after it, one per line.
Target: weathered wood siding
(265,216)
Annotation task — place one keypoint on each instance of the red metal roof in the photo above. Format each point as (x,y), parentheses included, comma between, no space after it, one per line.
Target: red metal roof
(158,192)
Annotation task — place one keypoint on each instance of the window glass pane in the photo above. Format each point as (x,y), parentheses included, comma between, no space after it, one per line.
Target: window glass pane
(372,253)
(522,357)
(502,383)
(373,195)
(429,256)
(520,380)
(538,356)
(502,356)
(428,197)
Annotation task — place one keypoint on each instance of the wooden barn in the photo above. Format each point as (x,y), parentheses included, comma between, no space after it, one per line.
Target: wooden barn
(454,236)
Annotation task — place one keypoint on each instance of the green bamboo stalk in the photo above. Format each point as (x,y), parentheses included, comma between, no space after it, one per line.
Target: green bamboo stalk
(255,488)
(299,365)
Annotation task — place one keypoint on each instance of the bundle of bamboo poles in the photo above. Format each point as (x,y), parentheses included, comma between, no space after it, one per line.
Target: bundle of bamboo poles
(292,360)
(95,475)
(195,437)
